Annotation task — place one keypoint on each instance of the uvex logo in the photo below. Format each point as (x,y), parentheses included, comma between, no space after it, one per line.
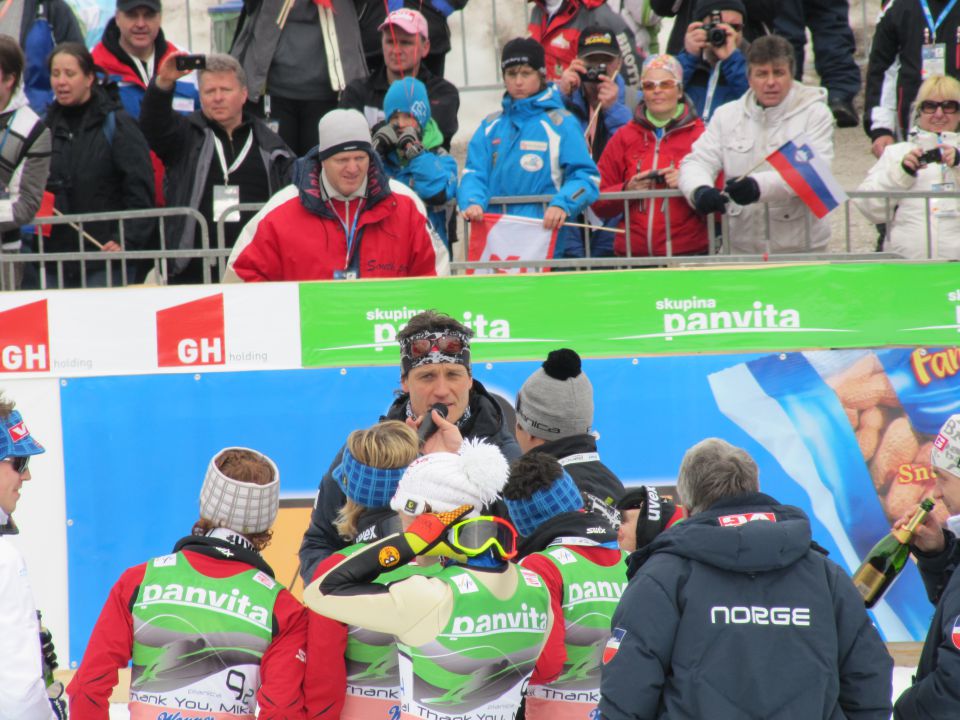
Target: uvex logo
(25,339)
(192,333)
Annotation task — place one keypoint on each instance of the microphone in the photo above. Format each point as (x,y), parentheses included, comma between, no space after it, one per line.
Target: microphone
(428,427)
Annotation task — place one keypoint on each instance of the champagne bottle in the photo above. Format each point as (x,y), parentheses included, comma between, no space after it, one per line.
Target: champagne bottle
(887,558)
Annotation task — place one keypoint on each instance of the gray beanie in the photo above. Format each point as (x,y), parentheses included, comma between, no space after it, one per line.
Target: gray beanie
(342,131)
(243,507)
(557,400)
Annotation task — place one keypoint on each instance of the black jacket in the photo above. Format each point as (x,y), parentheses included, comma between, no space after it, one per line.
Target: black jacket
(184,143)
(321,538)
(367,97)
(759,20)
(743,620)
(590,475)
(103,165)
(934,693)
(592,526)
(899,35)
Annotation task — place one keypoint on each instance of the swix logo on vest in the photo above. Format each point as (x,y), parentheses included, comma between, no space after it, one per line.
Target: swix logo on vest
(192,333)
(25,339)
(744,518)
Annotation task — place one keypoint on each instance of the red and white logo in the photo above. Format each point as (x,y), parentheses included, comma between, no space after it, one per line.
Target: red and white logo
(25,339)
(192,334)
(18,432)
(613,644)
(744,518)
(941,441)
(955,633)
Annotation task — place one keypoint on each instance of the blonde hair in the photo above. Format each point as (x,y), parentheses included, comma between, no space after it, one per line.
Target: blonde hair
(390,444)
(946,87)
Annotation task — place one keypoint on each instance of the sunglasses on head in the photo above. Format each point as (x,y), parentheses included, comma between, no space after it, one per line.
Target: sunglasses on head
(446,344)
(929,107)
(19,463)
(474,536)
(650,85)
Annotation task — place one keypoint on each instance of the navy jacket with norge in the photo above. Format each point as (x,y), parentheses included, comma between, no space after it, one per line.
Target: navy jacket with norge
(735,614)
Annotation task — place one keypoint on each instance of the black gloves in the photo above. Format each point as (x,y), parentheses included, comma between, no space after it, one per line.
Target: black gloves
(49,654)
(708,199)
(385,139)
(743,191)
(48,658)
(408,143)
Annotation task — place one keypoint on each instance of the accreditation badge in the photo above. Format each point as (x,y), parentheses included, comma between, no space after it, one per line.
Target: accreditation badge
(225,197)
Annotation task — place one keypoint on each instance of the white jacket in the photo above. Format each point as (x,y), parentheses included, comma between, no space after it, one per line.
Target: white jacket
(907,232)
(22,692)
(740,135)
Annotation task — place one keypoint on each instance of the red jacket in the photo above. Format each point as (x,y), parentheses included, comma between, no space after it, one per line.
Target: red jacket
(325,680)
(299,234)
(636,147)
(560,34)
(280,694)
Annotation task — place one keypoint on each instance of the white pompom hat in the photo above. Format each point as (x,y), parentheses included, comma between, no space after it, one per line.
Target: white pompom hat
(243,507)
(445,481)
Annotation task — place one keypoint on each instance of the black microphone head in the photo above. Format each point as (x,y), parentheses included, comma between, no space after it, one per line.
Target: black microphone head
(440,408)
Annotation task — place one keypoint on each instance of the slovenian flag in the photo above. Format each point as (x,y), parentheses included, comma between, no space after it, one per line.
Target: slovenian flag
(509,237)
(808,175)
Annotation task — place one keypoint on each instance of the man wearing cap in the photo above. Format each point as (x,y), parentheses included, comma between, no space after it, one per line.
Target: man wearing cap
(342,218)
(405,44)
(217,156)
(470,634)
(593,88)
(22,692)
(576,554)
(643,516)
(555,416)
(434,368)
(735,613)
(714,74)
(207,627)
(933,694)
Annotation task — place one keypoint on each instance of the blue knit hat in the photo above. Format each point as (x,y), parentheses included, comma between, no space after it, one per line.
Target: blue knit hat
(410,96)
(530,513)
(15,439)
(364,484)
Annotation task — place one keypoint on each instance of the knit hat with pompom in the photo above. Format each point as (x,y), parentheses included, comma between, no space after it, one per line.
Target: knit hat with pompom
(445,481)
(557,400)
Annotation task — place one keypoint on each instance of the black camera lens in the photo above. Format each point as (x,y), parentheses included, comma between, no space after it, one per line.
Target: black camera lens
(716,36)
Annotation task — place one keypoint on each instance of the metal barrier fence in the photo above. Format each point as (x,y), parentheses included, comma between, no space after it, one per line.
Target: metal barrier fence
(127,267)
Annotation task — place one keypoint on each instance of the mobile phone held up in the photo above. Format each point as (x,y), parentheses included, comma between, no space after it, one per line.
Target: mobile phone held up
(191,62)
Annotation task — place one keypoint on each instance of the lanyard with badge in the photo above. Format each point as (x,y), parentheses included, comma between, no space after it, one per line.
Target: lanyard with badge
(351,264)
(933,54)
(6,202)
(711,91)
(273,124)
(227,195)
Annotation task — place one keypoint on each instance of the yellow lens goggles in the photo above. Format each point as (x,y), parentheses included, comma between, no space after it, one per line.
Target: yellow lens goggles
(474,536)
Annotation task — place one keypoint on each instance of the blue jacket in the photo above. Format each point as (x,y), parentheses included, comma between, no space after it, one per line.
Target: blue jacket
(731,84)
(735,614)
(609,121)
(533,147)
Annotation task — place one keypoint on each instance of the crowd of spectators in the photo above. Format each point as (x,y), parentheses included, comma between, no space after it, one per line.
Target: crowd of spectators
(589,105)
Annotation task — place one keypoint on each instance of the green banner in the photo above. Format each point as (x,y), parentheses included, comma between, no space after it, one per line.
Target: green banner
(642,312)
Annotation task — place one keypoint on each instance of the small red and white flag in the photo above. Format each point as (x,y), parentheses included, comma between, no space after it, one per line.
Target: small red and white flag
(509,237)
(613,644)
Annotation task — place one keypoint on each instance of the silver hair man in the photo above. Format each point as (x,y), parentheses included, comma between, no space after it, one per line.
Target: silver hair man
(714,469)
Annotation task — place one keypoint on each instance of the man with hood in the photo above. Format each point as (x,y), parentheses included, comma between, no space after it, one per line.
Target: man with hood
(342,218)
(22,692)
(933,694)
(469,635)
(576,554)
(434,369)
(736,613)
(745,131)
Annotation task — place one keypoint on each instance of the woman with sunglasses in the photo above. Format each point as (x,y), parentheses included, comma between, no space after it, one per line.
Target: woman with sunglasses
(469,636)
(925,162)
(645,154)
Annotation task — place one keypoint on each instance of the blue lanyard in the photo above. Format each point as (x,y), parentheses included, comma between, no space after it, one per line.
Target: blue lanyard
(929,16)
(6,130)
(352,232)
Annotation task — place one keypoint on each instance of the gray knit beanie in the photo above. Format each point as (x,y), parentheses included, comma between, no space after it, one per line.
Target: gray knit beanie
(557,400)
(342,131)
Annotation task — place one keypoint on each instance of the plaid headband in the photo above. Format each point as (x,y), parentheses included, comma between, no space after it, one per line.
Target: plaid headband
(528,514)
(409,359)
(364,484)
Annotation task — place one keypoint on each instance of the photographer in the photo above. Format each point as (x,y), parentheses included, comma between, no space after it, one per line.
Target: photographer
(645,155)
(592,85)
(714,68)
(925,162)
(411,146)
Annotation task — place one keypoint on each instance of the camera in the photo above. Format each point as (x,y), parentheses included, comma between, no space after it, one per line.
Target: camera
(593,73)
(190,62)
(930,156)
(716,35)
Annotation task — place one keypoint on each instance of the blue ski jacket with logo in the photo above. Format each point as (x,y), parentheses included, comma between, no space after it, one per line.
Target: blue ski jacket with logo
(736,614)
